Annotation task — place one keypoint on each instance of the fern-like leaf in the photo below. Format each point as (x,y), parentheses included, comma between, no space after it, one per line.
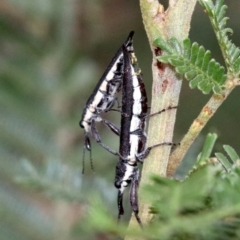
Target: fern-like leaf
(195,63)
(231,153)
(224,161)
(207,148)
(204,206)
(230,162)
(216,13)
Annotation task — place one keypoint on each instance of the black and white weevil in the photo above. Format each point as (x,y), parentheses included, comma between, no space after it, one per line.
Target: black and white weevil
(103,98)
(132,149)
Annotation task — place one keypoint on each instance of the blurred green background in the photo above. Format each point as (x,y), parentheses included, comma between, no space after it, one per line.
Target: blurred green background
(52,53)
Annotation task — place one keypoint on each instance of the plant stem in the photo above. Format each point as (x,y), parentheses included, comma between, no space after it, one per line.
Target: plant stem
(198,124)
(165,90)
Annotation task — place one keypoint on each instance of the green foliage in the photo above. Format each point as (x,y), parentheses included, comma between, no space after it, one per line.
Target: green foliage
(194,62)
(228,162)
(22,219)
(56,179)
(44,81)
(216,13)
(207,148)
(204,206)
(100,219)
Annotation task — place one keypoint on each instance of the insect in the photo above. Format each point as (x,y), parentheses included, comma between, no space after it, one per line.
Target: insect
(133,138)
(103,99)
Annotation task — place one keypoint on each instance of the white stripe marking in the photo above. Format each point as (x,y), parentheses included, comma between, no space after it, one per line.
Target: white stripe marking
(97,99)
(134,140)
(103,86)
(111,74)
(137,107)
(135,123)
(127,176)
(137,95)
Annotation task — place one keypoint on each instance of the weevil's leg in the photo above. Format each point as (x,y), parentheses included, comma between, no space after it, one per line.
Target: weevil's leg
(114,110)
(120,204)
(98,139)
(111,126)
(118,104)
(87,145)
(111,104)
(117,110)
(161,111)
(117,100)
(96,136)
(134,197)
(145,153)
(83,158)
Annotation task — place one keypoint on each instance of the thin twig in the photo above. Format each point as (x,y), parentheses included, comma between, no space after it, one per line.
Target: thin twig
(198,124)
